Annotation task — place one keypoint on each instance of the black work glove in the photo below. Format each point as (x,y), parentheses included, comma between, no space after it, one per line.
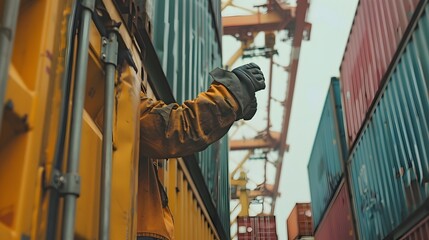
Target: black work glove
(251,109)
(252,77)
(242,82)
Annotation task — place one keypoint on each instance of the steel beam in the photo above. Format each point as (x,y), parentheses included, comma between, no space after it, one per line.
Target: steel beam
(301,25)
(272,141)
(278,17)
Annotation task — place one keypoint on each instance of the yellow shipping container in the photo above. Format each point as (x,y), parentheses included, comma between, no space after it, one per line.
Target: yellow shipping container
(33,162)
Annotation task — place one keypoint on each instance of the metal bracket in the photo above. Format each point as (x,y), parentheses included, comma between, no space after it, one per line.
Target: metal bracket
(89,4)
(7,32)
(68,183)
(109,50)
(100,19)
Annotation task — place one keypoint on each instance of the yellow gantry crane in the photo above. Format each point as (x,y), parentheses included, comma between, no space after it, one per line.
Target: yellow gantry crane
(277,16)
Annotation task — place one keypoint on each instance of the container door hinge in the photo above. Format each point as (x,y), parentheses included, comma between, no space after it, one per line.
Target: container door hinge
(109,51)
(68,183)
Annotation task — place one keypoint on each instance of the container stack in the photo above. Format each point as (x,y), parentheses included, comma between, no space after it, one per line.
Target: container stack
(382,170)
(384,79)
(383,174)
(331,208)
(300,222)
(377,31)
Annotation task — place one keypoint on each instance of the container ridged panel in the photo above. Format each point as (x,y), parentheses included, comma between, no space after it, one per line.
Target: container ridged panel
(377,29)
(338,222)
(389,165)
(259,227)
(324,167)
(300,223)
(336,91)
(419,232)
(190,219)
(184,36)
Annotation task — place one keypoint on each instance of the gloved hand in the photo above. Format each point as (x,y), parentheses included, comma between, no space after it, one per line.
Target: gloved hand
(251,109)
(242,82)
(252,77)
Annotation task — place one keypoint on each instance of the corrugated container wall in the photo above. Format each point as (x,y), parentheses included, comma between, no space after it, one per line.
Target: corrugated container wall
(300,223)
(186,38)
(186,41)
(34,138)
(326,159)
(389,166)
(377,29)
(419,232)
(337,223)
(257,228)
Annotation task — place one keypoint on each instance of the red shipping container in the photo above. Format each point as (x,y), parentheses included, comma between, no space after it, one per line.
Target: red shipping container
(257,228)
(300,223)
(419,232)
(377,29)
(337,223)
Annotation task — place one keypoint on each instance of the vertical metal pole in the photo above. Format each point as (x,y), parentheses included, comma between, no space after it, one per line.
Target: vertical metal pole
(7,34)
(54,195)
(109,55)
(72,176)
(270,86)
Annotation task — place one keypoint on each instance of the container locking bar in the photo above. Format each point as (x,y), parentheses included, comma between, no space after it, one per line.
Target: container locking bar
(54,196)
(69,213)
(109,55)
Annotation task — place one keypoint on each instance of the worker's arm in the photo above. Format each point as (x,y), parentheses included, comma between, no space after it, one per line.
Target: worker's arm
(179,130)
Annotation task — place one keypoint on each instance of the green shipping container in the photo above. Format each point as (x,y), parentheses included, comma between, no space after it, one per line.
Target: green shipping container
(187,40)
(329,150)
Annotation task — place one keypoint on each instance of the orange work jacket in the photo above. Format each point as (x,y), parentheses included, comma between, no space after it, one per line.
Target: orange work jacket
(173,130)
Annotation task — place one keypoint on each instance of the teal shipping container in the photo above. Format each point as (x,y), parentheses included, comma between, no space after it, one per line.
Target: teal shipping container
(327,157)
(187,38)
(187,41)
(389,164)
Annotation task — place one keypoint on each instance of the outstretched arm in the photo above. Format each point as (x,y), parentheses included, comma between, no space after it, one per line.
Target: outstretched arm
(179,130)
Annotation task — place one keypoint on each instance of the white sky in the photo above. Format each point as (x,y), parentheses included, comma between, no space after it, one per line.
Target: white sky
(320,59)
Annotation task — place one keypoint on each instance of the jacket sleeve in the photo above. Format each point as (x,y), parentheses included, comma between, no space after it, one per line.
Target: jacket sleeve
(175,130)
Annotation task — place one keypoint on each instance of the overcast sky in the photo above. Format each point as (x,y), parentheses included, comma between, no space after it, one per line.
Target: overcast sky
(320,59)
